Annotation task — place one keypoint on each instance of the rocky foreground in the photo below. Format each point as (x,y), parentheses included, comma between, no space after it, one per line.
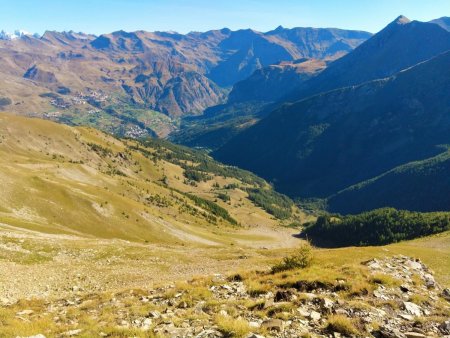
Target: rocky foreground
(400,299)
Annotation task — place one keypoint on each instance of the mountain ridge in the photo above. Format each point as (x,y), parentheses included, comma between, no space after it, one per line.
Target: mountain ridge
(312,151)
(400,45)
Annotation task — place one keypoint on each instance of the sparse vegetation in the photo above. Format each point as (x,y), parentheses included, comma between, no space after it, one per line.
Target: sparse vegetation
(212,207)
(232,327)
(224,197)
(274,203)
(300,259)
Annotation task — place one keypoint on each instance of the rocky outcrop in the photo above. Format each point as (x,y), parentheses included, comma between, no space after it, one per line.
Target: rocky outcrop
(183,92)
(405,305)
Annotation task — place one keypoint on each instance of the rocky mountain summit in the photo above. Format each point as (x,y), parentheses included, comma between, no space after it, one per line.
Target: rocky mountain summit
(399,299)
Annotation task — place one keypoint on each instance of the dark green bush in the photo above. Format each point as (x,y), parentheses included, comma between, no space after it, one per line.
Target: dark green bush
(300,259)
(5,101)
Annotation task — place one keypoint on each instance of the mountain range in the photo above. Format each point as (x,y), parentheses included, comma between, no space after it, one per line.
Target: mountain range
(164,72)
(362,145)
(321,113)
(400,45)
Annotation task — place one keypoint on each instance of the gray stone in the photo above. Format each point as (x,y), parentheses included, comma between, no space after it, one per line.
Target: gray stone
(254,335)
(209,334)
(146,324)
(155,314)
(254,325)
(303,312)
(406,317)
(72,333)
(24,312)
(342,312)
(446,294)
(269,303)
(314,315)
(445,327)
(273,324)
(373,264)
(412,309)
(198,309)
(429,281)
(326,303)
(414,265)
(414,335)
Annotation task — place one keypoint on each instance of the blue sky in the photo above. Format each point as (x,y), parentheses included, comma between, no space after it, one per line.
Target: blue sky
(104,16)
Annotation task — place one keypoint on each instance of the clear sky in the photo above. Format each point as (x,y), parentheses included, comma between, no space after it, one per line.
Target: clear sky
(104,16)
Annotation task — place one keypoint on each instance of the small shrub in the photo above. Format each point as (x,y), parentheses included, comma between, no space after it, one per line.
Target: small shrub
(384,279)
(301,259)
(341,324)
(232,327)
(224,197)
(5,101)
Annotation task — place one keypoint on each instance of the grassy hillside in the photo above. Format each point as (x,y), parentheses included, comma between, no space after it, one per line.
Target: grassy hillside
(99,235)
(402,187)
(63,180)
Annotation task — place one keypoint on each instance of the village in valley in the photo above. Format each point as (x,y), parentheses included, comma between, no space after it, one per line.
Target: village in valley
(92,97)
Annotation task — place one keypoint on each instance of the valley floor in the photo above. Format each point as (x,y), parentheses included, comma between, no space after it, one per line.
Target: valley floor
(34,264)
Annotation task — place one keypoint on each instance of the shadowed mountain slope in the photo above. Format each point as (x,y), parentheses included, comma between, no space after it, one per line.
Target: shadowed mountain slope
(324,144)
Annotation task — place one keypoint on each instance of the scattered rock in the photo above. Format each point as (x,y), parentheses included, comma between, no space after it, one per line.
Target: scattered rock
(155,314)
(429,281)
(72,333)
(198,309)
(146,324)
(24,313)
(326,304)
(254,335)
(269,303)
(414,265)
(446,294)
(209,334)
(273,325)
(313,302)
(302,312)
(414,335)
(254,325)
(314,315)
(412,309)
(445,327)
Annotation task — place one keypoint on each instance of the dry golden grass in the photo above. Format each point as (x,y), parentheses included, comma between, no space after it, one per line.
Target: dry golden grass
(232,327)
(341,324)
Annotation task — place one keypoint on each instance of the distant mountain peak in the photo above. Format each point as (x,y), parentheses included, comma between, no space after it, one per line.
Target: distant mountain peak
(13,36)
(444,22)
(402,20)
